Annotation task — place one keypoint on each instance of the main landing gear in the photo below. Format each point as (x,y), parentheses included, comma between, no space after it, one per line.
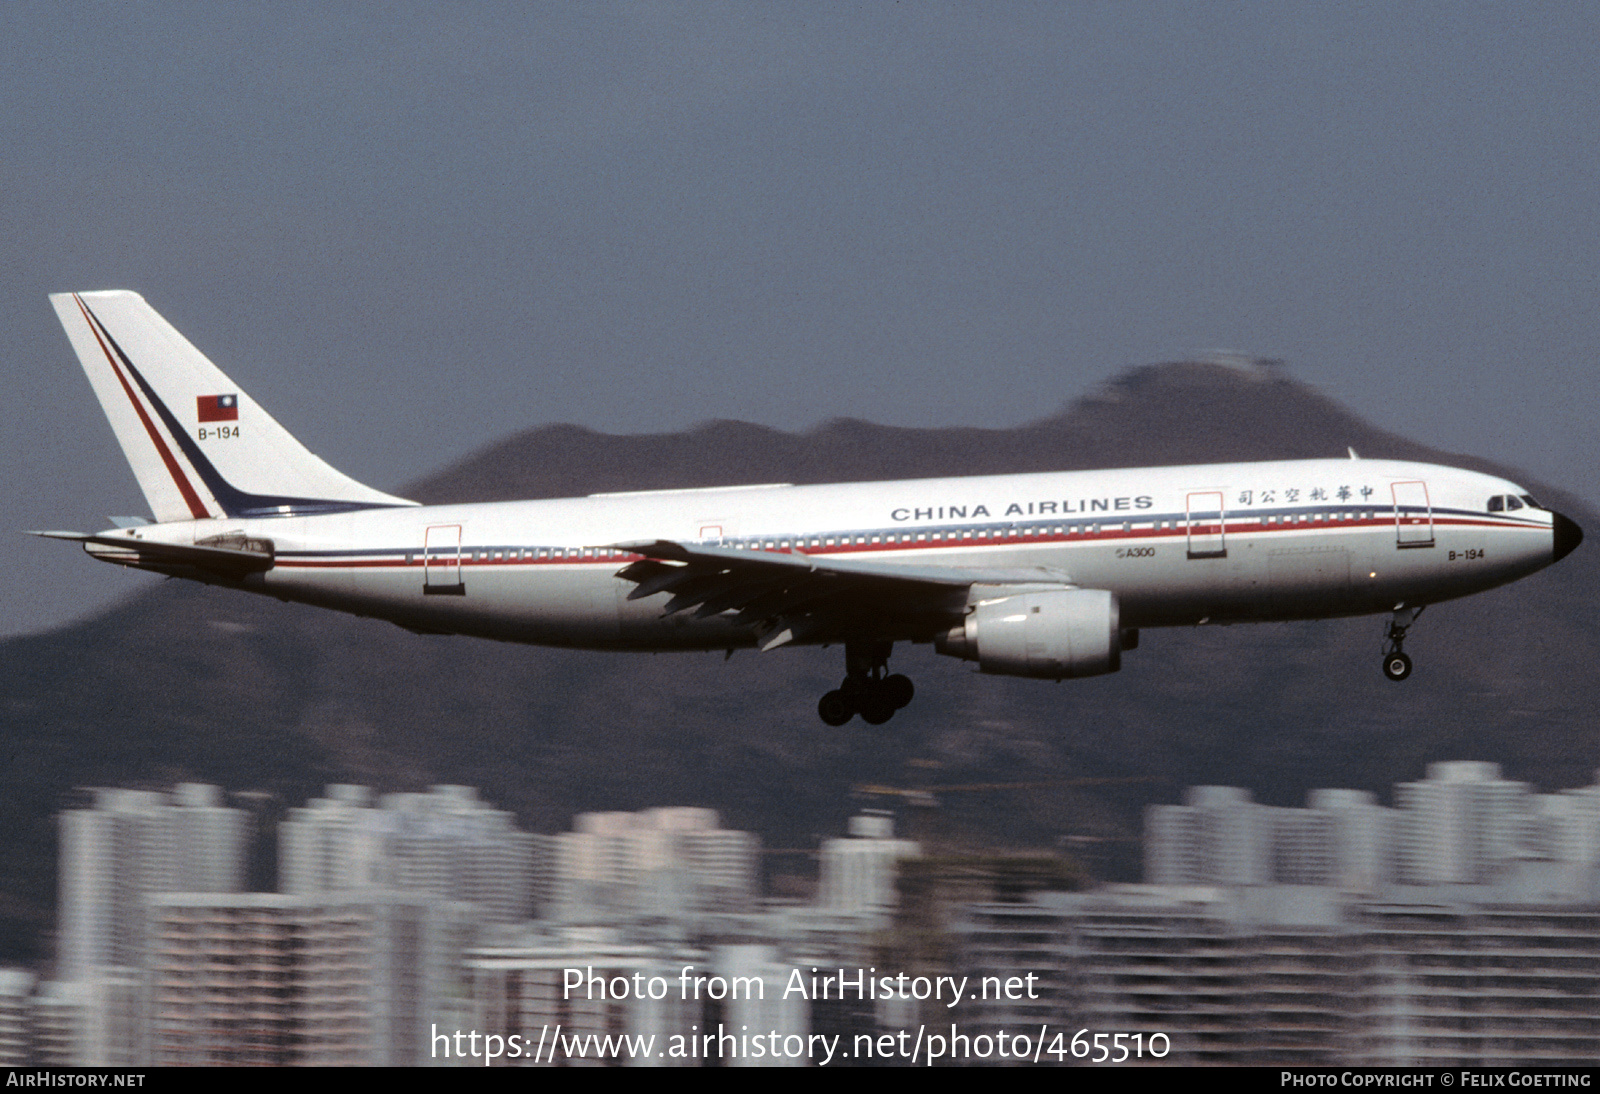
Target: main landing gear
(1396,665)
(867,689)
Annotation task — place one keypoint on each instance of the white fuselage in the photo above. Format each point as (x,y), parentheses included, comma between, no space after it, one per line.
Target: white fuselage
(1177,546)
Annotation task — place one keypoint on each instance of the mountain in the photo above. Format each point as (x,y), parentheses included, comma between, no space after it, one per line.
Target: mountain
(190,683)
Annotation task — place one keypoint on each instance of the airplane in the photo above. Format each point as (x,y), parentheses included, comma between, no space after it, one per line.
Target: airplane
(1049,576)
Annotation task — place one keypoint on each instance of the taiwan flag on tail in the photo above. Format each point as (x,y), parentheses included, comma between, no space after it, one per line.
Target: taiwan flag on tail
(218,408)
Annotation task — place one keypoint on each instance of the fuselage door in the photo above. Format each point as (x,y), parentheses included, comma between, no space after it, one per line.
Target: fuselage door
(441,561)
(1413,515)
(715,531)
(1206,537)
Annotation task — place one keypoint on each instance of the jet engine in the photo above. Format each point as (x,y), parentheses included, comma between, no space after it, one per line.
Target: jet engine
(1054,634)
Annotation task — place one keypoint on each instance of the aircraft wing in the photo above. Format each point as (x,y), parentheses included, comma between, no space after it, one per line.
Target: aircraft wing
(797,597)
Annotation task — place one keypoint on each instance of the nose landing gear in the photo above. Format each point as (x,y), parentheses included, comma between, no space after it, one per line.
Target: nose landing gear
(868,689)
(1396,665)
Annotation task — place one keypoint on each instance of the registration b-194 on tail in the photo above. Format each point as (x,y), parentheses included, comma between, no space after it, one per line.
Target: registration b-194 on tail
(1041,575)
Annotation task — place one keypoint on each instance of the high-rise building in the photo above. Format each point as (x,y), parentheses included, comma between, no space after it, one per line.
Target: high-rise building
(1220,837)
(1568,826)
(268,979)
(772,1008)
(1360,840)
(1452,985)
(1462,825)
(445,844)
(16,988)
(858,874)
(1217,837)
(585,996)
(129,845)
(116,1025)
(1296,975)
(59,1014)
(661,862)
(578,982)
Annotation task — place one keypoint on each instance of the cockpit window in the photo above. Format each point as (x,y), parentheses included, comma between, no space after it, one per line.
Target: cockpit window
(1504,503)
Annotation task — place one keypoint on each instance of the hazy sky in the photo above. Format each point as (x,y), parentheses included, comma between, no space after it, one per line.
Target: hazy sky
(409,230)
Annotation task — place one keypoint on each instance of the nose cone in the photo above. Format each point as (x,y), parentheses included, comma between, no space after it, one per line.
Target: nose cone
(1568,536)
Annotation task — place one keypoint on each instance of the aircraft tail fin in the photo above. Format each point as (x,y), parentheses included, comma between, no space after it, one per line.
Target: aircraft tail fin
(199,446)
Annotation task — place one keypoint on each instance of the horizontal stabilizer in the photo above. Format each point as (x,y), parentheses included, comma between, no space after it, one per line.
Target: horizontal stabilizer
(231,557)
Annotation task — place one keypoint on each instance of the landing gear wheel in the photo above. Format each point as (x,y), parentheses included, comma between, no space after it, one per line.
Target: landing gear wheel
(1397,666)
(835,709)
(867,688)
(898,690)
(877,708)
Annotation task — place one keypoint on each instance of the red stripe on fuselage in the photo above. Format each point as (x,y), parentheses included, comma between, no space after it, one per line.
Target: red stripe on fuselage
(921,545)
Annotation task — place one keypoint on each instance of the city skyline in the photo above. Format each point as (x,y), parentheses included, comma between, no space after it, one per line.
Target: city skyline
(1261,946)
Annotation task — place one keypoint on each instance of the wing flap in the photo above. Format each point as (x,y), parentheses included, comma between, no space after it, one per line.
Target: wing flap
(789,596)
(772,561)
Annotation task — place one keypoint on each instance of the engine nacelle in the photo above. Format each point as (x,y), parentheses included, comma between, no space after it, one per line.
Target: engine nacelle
(1054,634)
